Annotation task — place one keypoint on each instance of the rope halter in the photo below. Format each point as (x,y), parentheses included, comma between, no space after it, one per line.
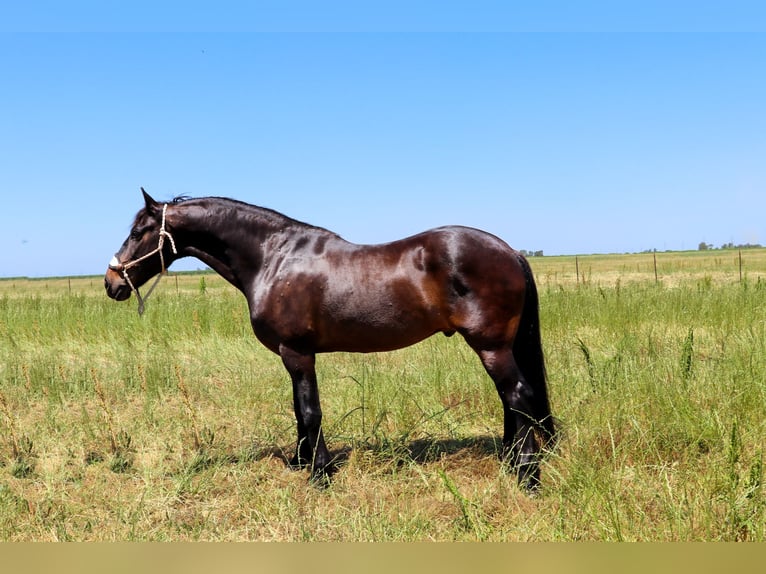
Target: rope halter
(122,268)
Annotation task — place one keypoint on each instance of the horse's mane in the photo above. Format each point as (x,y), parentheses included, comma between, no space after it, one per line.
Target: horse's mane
(256,210)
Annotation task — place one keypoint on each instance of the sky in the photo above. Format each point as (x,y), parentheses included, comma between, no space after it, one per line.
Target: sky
(570,129)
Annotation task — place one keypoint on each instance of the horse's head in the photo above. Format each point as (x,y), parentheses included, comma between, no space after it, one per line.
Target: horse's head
(144,254)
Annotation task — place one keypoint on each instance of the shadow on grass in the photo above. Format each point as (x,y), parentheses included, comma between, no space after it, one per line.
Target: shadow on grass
(422,451)
(385,451)
(218,456)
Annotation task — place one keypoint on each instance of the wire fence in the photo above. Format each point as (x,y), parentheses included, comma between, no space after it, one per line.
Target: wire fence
(662,268)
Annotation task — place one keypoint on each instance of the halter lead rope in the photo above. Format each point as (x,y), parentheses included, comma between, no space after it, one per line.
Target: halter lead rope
(122,268)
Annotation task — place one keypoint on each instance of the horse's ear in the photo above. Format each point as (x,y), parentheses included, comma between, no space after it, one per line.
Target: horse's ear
(151,205)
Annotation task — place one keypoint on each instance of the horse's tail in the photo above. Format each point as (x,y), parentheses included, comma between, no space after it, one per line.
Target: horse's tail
(528,352)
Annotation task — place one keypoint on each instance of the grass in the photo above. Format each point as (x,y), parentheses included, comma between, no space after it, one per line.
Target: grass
(177,425)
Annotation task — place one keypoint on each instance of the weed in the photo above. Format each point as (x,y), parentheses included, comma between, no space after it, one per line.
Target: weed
(120,443)
(687,354)
(199,442)
(23,458)
(472,518)
(744,493)
(589,363)
(122,453)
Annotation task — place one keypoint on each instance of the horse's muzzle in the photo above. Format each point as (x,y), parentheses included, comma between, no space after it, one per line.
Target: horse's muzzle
(116,286)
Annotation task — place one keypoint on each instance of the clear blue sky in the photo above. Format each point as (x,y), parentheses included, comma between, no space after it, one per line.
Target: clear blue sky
(568,131)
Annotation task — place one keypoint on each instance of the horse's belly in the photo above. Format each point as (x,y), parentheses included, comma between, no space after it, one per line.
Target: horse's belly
(378,329)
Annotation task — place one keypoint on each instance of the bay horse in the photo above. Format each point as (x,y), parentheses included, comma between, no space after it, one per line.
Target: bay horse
(309,291)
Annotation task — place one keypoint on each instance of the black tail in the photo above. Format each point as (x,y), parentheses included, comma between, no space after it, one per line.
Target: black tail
(528,352)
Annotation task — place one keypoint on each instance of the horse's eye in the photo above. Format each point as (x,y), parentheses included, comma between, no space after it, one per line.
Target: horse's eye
(135,233)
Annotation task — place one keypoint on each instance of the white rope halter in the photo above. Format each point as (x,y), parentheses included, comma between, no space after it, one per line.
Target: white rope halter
(122,268)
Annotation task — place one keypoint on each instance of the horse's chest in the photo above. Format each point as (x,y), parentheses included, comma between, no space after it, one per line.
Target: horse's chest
(283,310)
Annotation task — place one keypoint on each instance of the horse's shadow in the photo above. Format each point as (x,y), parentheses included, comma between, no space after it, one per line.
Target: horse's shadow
(425,451)
(422,451)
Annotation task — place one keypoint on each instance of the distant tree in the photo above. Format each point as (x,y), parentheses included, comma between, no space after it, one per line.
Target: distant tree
(703,246)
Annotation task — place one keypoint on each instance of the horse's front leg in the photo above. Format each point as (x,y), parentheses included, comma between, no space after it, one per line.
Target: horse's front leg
(311,450)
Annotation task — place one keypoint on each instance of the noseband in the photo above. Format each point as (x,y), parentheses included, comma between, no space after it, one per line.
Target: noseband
(122,268)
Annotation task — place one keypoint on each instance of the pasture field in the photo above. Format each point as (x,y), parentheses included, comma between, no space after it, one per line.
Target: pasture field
(176,425)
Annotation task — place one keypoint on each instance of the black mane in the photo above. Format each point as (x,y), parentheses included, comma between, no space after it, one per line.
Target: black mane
(261,212)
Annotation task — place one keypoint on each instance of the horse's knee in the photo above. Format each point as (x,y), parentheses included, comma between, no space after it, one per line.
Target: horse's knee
(520,396)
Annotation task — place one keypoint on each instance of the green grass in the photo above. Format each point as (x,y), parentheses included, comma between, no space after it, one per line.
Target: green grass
(176,425)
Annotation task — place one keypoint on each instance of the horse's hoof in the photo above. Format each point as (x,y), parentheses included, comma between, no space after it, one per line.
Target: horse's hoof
(320,478)
(529,479)
(298,463)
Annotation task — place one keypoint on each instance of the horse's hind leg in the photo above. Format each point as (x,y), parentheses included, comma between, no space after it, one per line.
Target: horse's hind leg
(520,445)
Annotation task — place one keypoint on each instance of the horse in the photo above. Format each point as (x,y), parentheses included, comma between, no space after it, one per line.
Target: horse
(309,291)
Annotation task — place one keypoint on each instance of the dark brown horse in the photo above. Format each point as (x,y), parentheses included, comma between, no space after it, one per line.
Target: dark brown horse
(309,291)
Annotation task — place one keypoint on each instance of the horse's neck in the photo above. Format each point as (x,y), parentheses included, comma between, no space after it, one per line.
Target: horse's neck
(218,239)
(228,241)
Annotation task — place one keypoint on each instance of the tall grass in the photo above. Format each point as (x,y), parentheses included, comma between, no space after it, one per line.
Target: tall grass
(177,425)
